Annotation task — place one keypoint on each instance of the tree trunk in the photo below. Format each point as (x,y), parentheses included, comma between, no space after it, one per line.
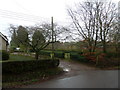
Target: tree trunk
(36,55)
(90,49)
(89,46)
(116,47)
(94,48)
(95,42)
(104,47)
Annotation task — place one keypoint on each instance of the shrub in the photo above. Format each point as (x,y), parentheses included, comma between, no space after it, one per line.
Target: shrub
(112,54)
(59,54)
(76,56)
(90,56)
(4,54)
(47,53)
(25,66)
(56,53)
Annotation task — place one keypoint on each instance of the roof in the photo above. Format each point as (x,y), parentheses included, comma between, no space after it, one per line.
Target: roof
(4,37)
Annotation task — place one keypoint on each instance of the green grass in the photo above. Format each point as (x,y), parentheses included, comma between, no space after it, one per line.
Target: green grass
(16,80)
(20,57)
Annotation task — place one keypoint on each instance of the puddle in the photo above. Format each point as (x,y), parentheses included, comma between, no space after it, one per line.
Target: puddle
(66,69)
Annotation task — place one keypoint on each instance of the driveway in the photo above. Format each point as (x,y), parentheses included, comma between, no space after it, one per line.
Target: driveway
(80,76)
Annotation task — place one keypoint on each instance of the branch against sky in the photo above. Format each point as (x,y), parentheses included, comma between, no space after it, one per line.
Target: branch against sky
(93,21)
(20,12)
(34,38)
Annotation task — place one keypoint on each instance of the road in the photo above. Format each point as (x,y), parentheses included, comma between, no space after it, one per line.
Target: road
(80,76)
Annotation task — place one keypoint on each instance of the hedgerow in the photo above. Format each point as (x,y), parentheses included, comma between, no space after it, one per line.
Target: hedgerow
(31,65)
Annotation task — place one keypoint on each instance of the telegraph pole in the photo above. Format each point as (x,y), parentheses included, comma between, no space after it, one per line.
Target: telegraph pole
(52,27)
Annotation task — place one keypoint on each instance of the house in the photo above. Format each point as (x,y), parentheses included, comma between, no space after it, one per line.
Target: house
(3,42)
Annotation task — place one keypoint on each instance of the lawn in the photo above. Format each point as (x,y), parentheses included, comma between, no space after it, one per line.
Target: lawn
(17,57)
(20,57)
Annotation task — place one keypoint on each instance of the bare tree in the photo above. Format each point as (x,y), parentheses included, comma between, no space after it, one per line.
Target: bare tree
(93,21)
(85,18)
(106,19)
(35,38)
(114,35)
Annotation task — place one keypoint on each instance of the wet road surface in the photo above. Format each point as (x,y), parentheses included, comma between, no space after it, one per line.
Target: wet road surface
(81,76)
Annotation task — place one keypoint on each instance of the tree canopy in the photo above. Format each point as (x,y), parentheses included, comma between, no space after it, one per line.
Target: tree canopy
(34,38)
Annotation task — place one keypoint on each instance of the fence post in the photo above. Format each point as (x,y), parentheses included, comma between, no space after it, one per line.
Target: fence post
(67,55)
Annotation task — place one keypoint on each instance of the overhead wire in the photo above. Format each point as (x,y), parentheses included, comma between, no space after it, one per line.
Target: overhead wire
(21,16)
(25,17)
(21,6)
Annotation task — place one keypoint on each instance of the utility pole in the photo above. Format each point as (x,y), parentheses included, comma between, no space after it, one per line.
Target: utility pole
(52,27)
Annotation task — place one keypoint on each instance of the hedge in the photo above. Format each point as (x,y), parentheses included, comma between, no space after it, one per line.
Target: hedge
(76,56)
(57,54)
(70,51)
(4,54)
(45,53)
(31,65)
(61,54)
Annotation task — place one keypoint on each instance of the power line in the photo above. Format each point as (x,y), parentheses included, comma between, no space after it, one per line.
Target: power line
(21,6)
(21,16)
(25,17)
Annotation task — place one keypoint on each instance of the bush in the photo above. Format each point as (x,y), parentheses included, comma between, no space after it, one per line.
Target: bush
(4,54)
(59,54)
(56,53)
(47,53)
(90,56)
(112,54)
(76,56)
(25,66)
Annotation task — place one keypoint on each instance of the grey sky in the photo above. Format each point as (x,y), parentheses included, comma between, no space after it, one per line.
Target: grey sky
(29,10)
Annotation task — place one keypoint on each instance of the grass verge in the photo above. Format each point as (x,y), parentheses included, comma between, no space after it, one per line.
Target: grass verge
(20,57)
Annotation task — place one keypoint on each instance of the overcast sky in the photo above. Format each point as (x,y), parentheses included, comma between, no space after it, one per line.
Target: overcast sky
(29,12)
